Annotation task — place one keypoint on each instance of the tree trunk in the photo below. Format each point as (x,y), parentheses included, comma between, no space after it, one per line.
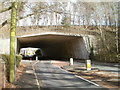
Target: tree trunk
(84,21)
(56,19)
(86,26)
(109,20)
(12,42)
(118,39)
(106,21)
(79,19)
(103,35)
(74,18)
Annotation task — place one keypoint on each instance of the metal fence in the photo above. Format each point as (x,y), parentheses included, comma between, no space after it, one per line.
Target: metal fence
(2,74)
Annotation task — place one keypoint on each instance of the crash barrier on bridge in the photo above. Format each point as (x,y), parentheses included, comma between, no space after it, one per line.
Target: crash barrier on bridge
(2,74)
(88,65)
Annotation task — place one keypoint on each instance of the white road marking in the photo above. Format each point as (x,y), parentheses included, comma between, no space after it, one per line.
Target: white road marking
(87,80)
(36,75)
(64,70)
(80,77)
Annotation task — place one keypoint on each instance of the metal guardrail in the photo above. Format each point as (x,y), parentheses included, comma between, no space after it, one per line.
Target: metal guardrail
(2,74)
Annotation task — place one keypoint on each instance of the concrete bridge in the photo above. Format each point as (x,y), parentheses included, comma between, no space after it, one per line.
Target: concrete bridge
(54,41)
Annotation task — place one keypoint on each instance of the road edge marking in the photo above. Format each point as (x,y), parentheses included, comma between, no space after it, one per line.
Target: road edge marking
(80,77)
(38,84)
(87,80)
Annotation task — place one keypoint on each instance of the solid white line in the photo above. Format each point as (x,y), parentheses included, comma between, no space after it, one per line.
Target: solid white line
(36,75)
(87,80)
(64,70)
(81,77)
(35,63)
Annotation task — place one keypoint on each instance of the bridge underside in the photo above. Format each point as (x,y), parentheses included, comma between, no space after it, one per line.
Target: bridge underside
(56,46)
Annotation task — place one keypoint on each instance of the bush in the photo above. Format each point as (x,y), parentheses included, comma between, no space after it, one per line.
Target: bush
(5,58)
(18,60)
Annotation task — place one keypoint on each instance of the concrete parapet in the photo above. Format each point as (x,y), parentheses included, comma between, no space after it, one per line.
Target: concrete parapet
(2,74)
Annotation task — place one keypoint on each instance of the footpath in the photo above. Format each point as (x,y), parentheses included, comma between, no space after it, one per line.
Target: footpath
(28,78)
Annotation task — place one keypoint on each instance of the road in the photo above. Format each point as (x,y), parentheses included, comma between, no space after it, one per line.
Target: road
(52,77)
(104,67)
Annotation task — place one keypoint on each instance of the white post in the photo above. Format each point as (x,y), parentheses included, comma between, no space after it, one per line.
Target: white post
(36,58)
(88,65)
(71,61)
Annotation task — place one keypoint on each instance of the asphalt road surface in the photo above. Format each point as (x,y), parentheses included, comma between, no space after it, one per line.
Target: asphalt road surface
(54,78)
(104,67)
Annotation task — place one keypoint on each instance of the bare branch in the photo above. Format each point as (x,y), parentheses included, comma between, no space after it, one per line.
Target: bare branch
(8,21)
(5,9)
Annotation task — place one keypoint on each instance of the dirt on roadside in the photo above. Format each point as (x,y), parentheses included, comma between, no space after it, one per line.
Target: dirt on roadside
(19,72)
(100,79)
(59,63)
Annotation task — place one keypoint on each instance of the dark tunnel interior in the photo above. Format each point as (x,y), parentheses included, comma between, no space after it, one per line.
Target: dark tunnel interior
(55,46)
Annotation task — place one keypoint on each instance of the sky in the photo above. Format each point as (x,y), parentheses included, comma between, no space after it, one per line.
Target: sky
(64,0)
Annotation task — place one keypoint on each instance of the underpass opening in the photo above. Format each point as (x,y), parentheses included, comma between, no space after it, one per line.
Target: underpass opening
(55,46)
(30,53)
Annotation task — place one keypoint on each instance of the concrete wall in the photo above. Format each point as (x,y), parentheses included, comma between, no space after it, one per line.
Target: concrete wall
(89,38)
(18,46)
(78,48)
(2,74)
(74,48)
(4,46)
(21,31)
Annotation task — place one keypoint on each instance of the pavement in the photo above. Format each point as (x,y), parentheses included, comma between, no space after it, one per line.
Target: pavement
(42,75)
(28,79)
